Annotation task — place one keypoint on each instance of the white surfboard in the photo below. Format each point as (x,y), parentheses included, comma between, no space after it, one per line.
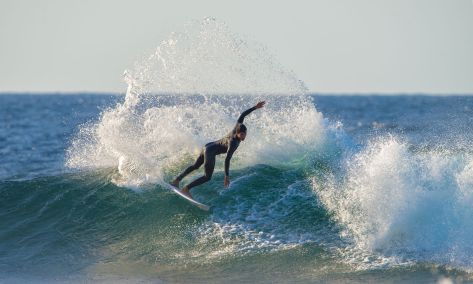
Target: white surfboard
(192,201)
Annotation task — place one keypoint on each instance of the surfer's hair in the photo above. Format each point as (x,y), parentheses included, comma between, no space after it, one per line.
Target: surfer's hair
(241,128)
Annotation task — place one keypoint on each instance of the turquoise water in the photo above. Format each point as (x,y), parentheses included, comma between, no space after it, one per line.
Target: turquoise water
(383,198)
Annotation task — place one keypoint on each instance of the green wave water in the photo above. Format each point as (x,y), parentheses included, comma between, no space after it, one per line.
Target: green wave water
(268,227)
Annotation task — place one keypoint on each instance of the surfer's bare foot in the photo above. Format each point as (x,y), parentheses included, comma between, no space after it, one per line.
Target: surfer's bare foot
(186,192)
(175,183)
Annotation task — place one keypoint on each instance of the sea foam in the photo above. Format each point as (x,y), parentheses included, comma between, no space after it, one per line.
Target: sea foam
(405,204)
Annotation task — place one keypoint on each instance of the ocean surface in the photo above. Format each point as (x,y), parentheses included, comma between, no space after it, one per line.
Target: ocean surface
(349,189)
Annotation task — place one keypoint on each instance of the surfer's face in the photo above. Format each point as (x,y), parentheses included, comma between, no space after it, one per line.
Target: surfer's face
(241,136)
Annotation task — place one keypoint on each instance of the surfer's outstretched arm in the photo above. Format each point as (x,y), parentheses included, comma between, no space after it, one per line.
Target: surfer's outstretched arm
(248,111)
(239,133)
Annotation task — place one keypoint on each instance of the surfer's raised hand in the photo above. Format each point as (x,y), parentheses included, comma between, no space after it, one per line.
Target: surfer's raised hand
(260,104)
(226,181)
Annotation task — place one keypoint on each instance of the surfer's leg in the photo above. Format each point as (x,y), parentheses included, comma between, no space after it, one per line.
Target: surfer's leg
(195,166)
(209,169)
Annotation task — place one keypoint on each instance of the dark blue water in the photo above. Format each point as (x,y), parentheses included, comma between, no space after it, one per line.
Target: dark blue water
(36,130)
(278,223)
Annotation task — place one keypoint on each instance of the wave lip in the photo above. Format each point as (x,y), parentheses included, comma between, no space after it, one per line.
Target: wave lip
(406,204)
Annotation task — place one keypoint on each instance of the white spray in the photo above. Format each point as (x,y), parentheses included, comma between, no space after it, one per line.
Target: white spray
(190,92)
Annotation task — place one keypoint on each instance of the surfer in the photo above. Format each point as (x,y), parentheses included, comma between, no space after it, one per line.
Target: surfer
(227,144)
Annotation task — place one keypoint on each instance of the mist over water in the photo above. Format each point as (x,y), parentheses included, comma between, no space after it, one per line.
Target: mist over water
(206,57)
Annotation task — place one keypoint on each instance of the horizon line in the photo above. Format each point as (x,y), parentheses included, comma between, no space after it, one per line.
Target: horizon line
(101,93)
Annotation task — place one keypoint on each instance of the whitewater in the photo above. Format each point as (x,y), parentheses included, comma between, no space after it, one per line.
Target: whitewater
(324,188)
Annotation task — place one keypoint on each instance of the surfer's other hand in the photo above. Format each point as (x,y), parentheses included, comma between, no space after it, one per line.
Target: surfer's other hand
(226,181)
(260,104)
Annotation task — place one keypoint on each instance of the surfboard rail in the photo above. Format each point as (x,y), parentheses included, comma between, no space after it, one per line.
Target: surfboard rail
(192,201)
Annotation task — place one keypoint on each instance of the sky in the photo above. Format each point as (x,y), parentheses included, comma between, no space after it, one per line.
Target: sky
(334,46)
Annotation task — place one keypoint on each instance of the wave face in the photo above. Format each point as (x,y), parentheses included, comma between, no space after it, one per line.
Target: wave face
(81,227)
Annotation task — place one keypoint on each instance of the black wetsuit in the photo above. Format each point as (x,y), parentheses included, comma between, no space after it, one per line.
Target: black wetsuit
(227,144)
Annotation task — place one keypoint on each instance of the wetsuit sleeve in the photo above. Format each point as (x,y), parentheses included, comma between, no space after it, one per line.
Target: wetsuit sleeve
(231,149)
(245,113)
